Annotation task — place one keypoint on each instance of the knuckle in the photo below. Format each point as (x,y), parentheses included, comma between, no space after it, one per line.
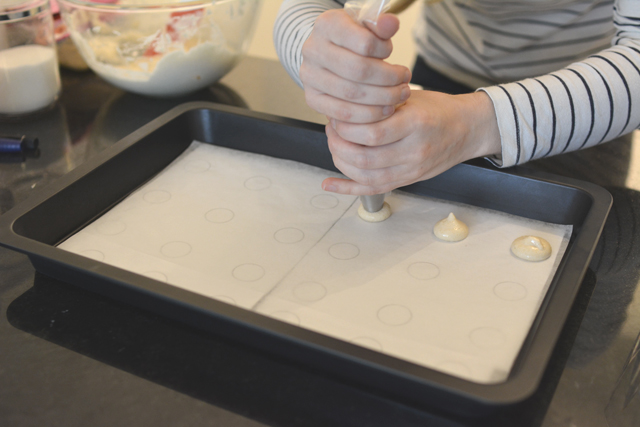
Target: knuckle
(360,71)
(351,92)
(374,114)
(386,49)
(343,114)
(394,75)
(386,176)
(367,180)
(368,46)
(389,98)
(375,134)
(361,161)
(395,96)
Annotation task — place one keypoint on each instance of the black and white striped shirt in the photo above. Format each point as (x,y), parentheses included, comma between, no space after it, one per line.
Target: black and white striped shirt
(562,74)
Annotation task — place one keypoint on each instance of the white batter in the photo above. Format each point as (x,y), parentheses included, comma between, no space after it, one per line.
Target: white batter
(531,248)
(451,229)
(175,73)
(379,216)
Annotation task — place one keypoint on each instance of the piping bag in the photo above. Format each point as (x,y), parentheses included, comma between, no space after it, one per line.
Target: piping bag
(368,11)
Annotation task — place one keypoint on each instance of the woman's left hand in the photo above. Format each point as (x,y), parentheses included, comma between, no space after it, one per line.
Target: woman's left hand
(427,135)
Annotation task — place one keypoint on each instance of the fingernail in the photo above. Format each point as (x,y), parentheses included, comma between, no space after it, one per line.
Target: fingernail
(407,76)
(388,110)
(330,187)
(333,123)
(405,94)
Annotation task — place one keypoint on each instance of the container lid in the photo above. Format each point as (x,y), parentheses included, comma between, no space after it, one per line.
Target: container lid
(17,9)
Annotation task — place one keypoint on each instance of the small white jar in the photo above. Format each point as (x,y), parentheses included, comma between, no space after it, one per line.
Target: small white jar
(29,72)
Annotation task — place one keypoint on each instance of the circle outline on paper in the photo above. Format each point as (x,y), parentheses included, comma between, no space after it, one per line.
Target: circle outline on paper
(510,291)
(423,270)
(219,215)
(289,235)
(156,196)
(248,272)
(257,183)
(309,291)
(198,165)
(344,251)
(394,315)
(324,201)
(487,338)
(176,249)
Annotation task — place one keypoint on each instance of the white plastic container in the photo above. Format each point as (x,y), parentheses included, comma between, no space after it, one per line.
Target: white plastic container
(29,73)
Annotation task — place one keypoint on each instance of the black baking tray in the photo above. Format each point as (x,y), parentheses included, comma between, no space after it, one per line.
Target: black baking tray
(37,225)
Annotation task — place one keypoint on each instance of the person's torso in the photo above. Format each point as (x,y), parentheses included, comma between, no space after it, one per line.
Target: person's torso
(503,40)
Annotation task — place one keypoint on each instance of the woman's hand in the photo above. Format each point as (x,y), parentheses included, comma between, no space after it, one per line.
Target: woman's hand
(343,69)
(429,134)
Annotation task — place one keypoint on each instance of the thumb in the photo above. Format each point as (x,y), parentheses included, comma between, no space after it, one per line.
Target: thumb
(386,27)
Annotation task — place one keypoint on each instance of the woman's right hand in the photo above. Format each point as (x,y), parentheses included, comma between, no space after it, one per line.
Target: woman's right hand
(343,70)
(429,134)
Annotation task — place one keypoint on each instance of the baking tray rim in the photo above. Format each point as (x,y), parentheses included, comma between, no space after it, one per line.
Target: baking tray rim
(517,387)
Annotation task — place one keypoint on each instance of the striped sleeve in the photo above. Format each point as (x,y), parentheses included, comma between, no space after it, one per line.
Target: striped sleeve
(292,27)
(584,104)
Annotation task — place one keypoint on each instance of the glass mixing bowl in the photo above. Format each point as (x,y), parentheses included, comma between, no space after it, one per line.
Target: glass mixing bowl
(161,47)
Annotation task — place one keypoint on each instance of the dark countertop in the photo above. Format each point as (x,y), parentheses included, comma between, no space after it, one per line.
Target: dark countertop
(69,357)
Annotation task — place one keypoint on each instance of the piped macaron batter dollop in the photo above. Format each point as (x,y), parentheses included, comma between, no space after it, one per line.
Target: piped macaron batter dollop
(531,248)
(381,215)
(451,229)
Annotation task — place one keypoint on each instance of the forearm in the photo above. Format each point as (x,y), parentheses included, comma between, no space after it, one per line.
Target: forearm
(482,133)
(584,104)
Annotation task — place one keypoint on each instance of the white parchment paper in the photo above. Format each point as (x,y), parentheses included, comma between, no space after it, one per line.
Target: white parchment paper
(260,233)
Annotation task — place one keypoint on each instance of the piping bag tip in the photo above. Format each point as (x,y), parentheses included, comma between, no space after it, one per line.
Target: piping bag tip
(372,204)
